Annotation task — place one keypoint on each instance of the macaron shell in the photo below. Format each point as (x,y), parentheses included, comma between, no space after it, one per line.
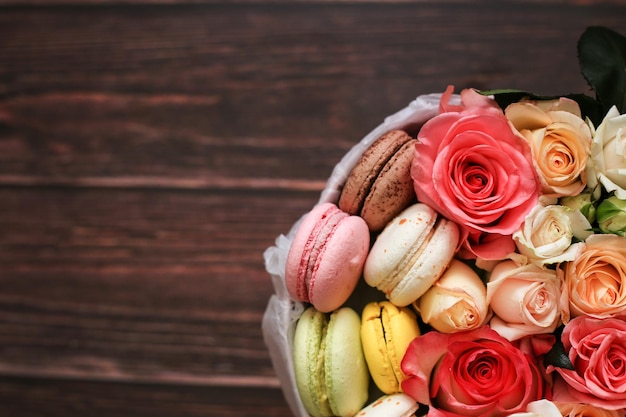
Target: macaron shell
(395,247)
(326,258)
(375,349)
(347,377)
(380,185)
(428,265)
(299,252)
(386,331)
(401,328)
(393,189)
(340,264)
(308,342)
(394,405)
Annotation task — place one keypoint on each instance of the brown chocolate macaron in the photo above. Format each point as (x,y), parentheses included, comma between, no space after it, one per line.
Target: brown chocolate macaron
(380,185)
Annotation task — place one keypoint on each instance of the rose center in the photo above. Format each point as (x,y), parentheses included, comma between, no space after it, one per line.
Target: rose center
(475,178)
(560,160)
(602,285)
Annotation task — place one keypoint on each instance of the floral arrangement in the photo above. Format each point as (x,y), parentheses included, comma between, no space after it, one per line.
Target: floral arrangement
(537,188)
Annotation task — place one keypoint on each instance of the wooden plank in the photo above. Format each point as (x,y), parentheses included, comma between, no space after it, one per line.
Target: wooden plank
(224,96)
(57,3)
(138,285)
(34,398)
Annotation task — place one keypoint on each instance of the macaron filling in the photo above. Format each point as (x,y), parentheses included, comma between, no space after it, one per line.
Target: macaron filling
(408,261)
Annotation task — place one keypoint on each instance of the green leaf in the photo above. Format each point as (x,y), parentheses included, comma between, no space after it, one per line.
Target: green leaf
(557,355)
(602,59)
(606,210)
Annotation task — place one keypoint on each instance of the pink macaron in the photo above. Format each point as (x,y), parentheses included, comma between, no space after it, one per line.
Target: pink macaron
(326,258)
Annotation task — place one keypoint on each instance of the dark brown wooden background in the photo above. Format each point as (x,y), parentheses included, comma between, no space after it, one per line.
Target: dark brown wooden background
(151,150)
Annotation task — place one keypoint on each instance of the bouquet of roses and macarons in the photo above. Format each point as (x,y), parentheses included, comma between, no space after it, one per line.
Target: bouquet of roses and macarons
(467,258)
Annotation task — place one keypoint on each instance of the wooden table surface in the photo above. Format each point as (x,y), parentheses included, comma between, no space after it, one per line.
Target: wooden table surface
(150,151)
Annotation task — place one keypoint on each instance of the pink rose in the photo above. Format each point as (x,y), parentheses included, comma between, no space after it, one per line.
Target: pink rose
(472,373)
(597,350)
(474,169)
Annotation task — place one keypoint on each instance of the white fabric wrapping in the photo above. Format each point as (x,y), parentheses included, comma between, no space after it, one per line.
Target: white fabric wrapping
(282,312)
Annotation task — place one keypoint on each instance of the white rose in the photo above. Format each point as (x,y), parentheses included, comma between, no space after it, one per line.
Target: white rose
(525,299)
(608,154)
(546,235)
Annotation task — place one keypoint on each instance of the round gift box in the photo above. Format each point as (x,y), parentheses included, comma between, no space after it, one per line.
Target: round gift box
(282,311)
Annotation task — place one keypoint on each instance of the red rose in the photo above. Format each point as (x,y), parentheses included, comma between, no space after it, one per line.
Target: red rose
(597,350)
(471,167)
(476,373)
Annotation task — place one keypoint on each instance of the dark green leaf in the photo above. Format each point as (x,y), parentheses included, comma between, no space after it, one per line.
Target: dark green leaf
(602,58)
(557,355)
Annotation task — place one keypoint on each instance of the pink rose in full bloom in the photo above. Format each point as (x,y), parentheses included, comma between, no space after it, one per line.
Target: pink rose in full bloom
(597,350)
(471,373)
(474,169)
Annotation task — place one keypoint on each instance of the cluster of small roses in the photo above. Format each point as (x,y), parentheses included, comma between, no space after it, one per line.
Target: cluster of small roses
(538,193)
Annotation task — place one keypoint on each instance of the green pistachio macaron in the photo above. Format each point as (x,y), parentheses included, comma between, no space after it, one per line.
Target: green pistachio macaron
(331,373)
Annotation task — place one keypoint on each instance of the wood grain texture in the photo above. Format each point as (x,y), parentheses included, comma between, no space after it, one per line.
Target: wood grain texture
(150,151)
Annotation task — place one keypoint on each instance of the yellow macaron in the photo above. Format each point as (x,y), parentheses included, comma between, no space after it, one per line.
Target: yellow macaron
(386,332)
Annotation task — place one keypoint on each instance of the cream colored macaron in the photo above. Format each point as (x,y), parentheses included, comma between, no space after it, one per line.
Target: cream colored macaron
(394,405)
(411,253)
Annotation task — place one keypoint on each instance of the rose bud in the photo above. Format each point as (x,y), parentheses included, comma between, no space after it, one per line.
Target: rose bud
(582,202)
(457,301)
(612,216)
(524,299)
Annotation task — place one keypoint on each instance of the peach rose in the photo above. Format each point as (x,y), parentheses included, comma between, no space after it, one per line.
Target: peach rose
(547,232)
(560,141)
(595,281)
(474,169)
(569,409)
(457,301)
(524,299)
(608,154)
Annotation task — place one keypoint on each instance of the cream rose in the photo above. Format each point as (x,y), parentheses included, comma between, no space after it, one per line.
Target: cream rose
(608,154)
(539,408)
(560,142)
(595,281)
(524,300)
(546,235)
(457,301)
